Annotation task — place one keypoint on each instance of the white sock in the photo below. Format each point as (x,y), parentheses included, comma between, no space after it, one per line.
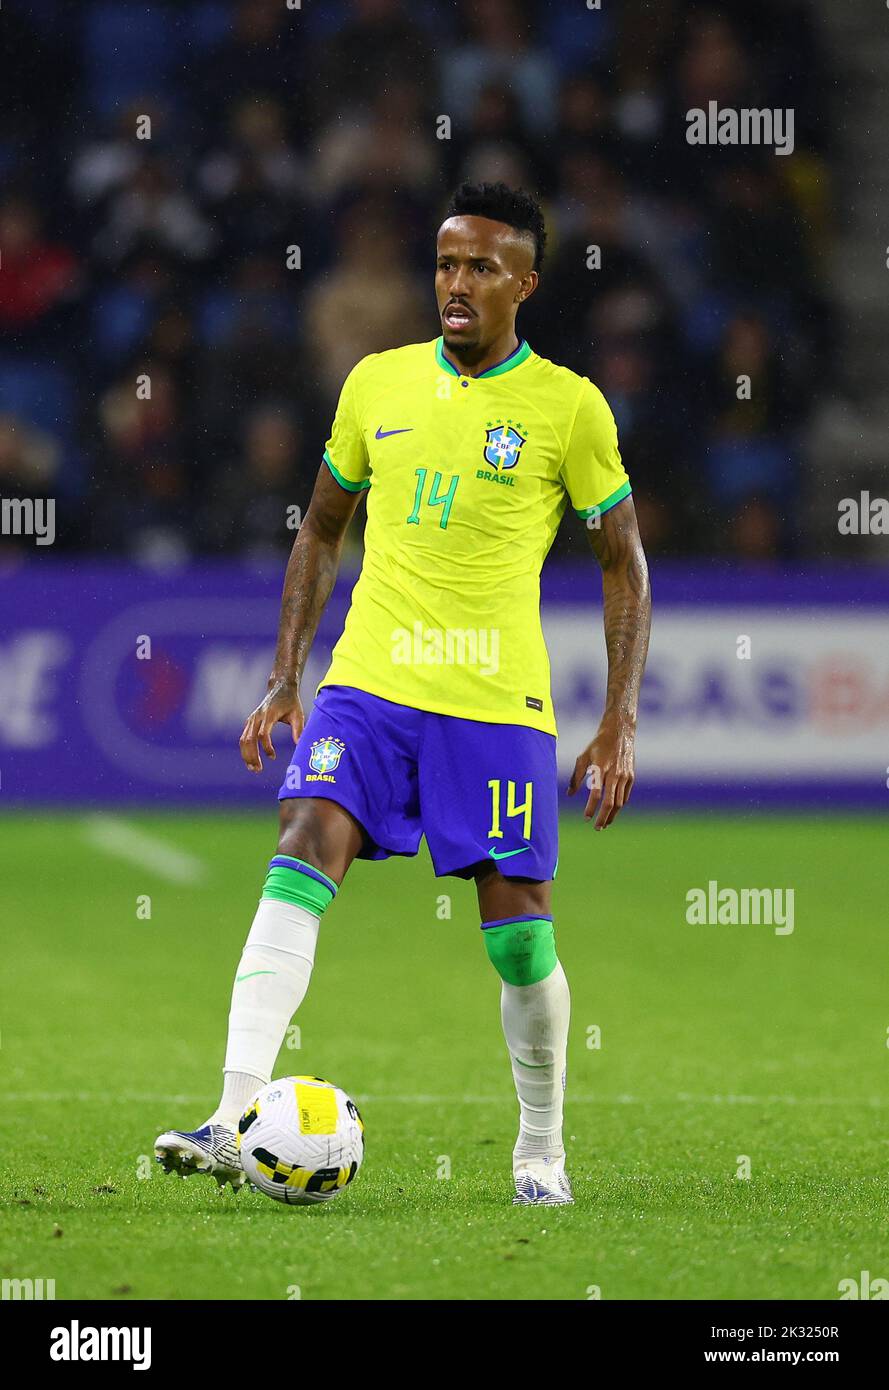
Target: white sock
(270,984)
(535,1024)
(238,1089)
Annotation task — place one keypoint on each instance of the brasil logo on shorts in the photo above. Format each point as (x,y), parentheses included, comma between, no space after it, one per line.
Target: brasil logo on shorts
(324,758)
(503,444)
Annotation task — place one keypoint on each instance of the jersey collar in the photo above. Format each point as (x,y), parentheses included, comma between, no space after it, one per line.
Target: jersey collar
(518,355)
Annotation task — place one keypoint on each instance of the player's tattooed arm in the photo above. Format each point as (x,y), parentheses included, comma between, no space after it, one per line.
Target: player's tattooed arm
(308,581)
(610,757)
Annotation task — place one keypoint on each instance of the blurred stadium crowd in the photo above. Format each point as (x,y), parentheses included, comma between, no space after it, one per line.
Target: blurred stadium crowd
(317,127)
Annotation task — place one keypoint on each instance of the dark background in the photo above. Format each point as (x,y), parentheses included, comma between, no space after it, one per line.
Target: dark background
(317,128)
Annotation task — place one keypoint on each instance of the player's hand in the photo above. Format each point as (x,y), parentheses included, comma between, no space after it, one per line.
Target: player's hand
(281,706)
(610,762)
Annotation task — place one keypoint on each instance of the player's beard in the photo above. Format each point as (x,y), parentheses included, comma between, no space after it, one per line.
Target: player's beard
(469,349)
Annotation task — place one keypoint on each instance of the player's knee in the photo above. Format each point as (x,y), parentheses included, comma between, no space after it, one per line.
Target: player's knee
(320,833)
(300,833)
(522,952)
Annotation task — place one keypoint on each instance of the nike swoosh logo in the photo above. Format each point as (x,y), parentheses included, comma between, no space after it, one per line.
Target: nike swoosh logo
(507,853)
(384,434)
(239,978)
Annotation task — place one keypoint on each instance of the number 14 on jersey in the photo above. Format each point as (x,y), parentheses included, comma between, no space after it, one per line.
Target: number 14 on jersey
(436,498)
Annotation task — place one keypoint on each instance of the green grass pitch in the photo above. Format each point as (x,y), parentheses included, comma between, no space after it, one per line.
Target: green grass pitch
(717,1042)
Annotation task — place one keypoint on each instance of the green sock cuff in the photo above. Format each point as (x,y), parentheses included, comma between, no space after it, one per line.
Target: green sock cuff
(522,950)
(293,881)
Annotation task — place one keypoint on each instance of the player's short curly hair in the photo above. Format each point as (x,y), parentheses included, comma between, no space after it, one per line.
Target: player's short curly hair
(513,206)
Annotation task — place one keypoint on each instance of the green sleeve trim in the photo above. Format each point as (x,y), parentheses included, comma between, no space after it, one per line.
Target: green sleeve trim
(344,482)
(612,501)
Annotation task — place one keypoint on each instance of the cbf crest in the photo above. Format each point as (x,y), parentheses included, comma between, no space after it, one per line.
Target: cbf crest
(325,754)
(503,444)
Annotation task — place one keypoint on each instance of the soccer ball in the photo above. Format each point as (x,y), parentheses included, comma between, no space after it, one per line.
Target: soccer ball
(301,1140)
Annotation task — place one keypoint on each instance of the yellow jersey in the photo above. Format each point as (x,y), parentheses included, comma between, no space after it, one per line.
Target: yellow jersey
(467,479)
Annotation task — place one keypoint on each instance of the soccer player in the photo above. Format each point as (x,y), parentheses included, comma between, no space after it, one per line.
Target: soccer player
(435,716)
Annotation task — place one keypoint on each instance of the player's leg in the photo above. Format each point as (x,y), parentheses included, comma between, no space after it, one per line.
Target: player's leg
(350,789)
(489,797)
(317,842)
(535,1007)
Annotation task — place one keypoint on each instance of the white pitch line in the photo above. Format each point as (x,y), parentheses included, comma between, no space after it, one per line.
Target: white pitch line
(125,841)
(162,1098)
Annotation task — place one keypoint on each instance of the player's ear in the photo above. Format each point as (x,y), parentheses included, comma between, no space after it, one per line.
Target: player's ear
(527,286)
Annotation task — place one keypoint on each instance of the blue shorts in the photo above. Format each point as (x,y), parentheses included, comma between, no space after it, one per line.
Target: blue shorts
(476,791)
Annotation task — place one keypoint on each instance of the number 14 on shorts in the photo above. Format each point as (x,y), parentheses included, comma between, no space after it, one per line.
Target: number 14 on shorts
(512,809)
